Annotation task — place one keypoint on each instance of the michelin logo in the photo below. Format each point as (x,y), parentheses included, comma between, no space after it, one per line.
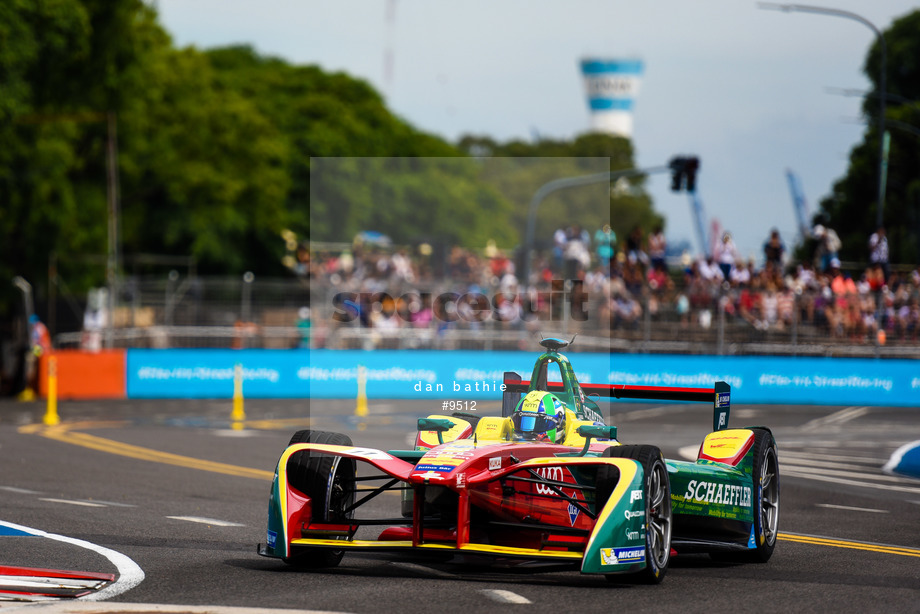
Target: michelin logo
(622,556)
(271,538)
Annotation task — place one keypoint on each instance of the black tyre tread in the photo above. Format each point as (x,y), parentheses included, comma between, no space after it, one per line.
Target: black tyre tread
(309,474)
(301,437)
(647,455)
(642,453)
(763,440)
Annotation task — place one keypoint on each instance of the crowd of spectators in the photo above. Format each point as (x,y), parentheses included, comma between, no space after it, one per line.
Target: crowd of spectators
(627,284)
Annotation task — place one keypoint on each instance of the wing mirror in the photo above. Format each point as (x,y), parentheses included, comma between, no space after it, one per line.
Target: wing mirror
(595,431)
(438,425)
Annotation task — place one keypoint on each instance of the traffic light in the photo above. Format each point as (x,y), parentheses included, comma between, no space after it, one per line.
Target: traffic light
(683,173)
(677,173)
(690,167)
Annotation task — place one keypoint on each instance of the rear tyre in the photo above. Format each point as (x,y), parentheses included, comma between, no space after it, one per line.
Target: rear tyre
(329,481)
(657,494)
(766,502)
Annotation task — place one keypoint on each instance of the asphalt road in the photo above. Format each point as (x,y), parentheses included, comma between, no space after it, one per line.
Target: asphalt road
(171,488)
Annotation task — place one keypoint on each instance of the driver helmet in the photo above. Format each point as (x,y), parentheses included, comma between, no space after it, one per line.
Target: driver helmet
(539,416)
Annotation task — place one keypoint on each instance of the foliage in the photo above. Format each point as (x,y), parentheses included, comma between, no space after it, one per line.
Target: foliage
(344,176)
(58,73)
(852,207)
(519,177)
(213,148)
(217,155)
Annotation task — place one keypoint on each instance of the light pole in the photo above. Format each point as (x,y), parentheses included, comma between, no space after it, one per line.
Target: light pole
(882,154)
(113,255)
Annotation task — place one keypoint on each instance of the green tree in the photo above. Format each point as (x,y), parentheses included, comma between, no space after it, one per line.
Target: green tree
(216,150)
(370,169)
(51,169)
(520,176)
(852,207)
(204,171)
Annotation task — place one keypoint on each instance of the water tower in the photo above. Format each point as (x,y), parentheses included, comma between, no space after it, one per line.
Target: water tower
(611,86)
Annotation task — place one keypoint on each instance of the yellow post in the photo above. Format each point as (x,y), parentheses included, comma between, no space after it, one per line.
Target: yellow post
(238,415)
(51,412)
(361,407)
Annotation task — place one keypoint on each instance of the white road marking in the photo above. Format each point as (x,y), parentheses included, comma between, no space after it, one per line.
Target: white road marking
(71,502)
(235,433)
(21,491)
(422,569)
(213,521)
(836,419)
(505,596)
(815,464)
(107,503)
(853,471)
(746,414)
(831,457)
(851,509)
(827,478)
(810,444)
(652,412)
(129,573)
(846,473)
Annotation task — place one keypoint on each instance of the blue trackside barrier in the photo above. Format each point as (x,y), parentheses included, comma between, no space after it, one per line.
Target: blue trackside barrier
(204,374)
(426,374)
(905,460)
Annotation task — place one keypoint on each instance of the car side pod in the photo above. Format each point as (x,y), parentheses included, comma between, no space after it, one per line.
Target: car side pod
(617,542)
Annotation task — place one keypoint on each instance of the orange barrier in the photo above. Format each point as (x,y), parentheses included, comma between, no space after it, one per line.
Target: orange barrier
(86,375)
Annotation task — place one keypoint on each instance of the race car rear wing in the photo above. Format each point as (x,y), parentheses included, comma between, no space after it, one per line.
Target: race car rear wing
(719,395)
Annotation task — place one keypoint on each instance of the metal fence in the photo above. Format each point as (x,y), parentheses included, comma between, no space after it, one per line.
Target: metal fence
(201,312)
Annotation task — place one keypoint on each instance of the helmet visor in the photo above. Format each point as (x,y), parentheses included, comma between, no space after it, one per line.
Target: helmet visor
(528,422)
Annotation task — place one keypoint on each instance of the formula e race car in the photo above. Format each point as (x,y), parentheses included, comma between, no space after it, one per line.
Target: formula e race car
(546,482)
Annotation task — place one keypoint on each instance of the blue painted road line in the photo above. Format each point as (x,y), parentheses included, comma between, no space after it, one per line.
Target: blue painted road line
(10,531)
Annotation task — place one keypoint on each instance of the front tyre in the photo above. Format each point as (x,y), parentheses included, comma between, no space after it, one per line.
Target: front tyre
(329,481)
(657,493)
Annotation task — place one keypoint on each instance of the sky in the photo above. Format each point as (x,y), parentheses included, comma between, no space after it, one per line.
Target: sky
(751,92)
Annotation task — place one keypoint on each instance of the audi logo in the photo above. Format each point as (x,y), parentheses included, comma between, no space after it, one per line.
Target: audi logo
(553,474)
